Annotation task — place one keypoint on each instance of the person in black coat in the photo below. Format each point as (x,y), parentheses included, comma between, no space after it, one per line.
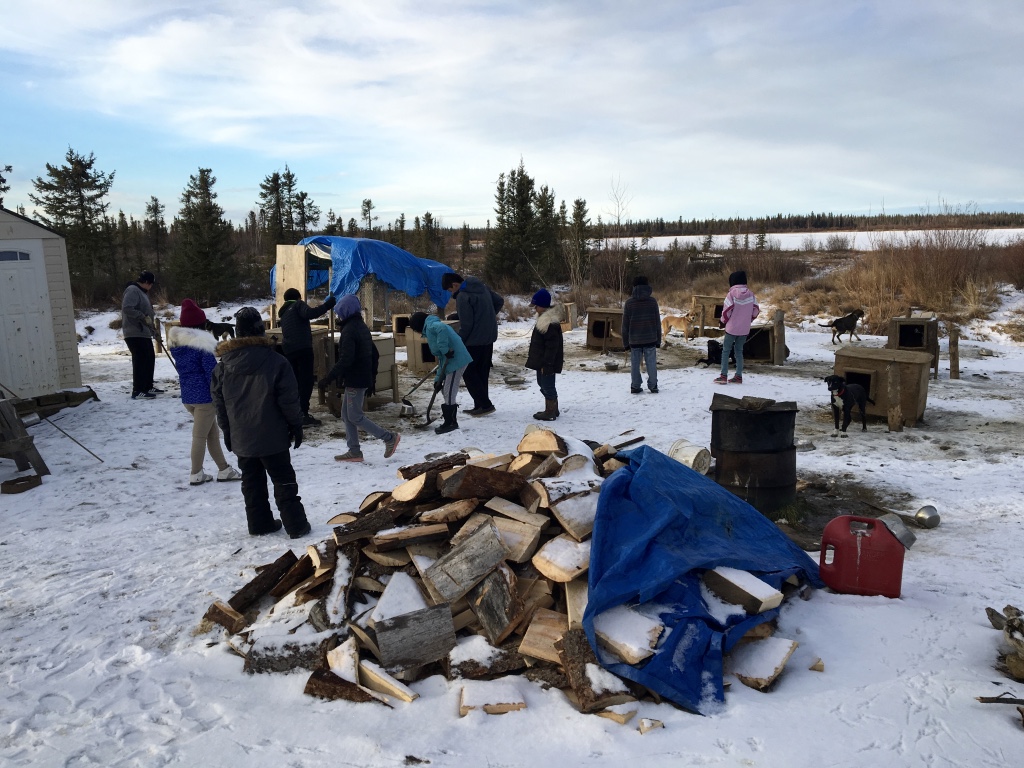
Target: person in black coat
(641,335)
(354,372)
(297,344)
(546,356)
(478,308)
(257,403)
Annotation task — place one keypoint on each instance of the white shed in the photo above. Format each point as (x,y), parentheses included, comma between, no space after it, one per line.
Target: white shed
(38,343)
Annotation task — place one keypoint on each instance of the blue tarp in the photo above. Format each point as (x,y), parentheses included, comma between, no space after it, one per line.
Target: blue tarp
(352,258)
(659,526)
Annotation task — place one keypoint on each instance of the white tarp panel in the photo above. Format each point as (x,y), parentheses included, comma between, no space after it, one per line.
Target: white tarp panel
(28,352)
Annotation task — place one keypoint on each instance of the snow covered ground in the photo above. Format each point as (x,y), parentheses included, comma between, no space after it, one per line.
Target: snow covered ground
(106,570)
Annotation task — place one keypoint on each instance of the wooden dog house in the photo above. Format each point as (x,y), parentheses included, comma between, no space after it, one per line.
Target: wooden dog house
(419,358)
(604,329)
(916,334)
(706,312)
(870,368)
(399,325)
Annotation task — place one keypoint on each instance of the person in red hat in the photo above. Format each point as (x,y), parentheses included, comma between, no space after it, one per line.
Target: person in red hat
(546,356)
(192,347)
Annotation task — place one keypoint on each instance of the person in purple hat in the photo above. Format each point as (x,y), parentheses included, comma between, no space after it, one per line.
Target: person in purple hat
(192,348)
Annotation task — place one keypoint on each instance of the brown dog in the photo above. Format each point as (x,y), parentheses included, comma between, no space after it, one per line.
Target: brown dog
(678,322)
(845,324)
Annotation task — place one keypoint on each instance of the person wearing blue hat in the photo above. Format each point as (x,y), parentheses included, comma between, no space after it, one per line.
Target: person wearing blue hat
(546,356)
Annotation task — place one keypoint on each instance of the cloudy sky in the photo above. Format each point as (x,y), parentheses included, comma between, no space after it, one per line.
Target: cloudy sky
(689,108)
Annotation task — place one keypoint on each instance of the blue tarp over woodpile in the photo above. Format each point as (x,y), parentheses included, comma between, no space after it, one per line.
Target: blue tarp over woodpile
(659,526)
(352,258)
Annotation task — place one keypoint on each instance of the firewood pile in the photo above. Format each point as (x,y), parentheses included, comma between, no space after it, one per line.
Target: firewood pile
(473,567)
(1010,659)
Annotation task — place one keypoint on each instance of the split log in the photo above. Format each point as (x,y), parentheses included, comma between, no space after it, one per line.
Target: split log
(563,558)
(376,679)
(324,555)
(394,558)
(416,638)
(545,630)
(324,684)
(525,463)
(517,512)
(479,482)
(401,596)
(576,514)
(364,527)
(817,666)
(451,512)
(627,634)
(576,597)
(366,638)
(399,538)
(448,461)
(547,468)
(758,664)
(520,539)
(284,653)
(577,462)
(536,597)
(223,614)
(418,489)
(603,452)
(743,589)
(498,660)
(761,631)
(648,724)
(612,465)
(621,713)
(461,569)
(373,500)
(423,556)
(548,675)
(344,660)
(469,525)
(543,442)
(312,588)
(496,603)
(301,570)
(368,584)
(595,688)
(501,462)
(495,697)
(551,490)
(265,581)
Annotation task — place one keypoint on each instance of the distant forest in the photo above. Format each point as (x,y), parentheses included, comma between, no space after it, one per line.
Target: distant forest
(533,238)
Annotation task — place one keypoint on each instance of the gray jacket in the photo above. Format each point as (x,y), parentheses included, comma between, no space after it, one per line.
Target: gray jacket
(478,308)
(256,396)
(134,307)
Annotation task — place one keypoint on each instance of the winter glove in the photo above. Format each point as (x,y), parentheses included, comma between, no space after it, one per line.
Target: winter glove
(438,385)
(149,322)
(331,301)
(227,441)
(450,354)
(296,433)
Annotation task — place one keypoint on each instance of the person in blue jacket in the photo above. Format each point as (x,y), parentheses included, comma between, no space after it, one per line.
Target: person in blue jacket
(192,347)
(452,359)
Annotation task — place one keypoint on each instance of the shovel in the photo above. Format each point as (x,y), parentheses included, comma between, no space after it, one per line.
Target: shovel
(407,406)
(429,420)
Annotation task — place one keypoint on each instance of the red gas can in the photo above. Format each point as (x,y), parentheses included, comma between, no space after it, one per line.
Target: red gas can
(860,556)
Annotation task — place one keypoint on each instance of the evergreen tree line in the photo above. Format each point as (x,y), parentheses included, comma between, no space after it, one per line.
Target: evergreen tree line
(198,253)
(535,240)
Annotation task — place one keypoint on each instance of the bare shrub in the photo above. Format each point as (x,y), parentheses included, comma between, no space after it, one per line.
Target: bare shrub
(115,324)
(836,243)
(1008,264)
(769,267)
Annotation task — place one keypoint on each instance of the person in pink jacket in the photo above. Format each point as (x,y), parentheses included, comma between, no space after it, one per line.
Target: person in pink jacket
(738,312)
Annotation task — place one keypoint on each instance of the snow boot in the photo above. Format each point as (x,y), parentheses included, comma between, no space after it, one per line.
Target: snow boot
(451,422)
(550,412)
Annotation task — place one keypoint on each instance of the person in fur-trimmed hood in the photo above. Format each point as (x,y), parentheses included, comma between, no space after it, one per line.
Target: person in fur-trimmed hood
(257,402)
(546,356)
(192,348)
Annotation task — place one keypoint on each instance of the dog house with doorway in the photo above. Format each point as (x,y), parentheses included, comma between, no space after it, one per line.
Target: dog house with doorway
(870,368)
(419,358)
(604,329)
(916,334)
(760,344)
(706,312)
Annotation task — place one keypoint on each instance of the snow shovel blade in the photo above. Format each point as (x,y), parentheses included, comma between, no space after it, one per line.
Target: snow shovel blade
(429,420)
(405,400)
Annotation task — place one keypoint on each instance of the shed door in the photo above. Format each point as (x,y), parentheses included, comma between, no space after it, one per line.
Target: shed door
(28,351)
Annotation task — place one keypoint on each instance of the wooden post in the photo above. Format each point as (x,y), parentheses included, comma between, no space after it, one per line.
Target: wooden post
(702,308)
(954,350)
(366,299)
(779,351)
(895,412)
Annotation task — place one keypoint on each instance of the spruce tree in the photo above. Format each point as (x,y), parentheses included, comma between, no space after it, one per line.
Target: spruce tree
(4,186)
(512,252)
(73,201)
(155,231)
(273,208)
(307,216)
(203,250)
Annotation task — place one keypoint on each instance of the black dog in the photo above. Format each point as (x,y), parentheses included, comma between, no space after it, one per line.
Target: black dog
(845,324)
(715,354)
(220,330)
(844,397)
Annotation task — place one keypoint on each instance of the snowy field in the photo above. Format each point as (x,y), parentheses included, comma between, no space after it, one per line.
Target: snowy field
(797,241)
(107,569)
